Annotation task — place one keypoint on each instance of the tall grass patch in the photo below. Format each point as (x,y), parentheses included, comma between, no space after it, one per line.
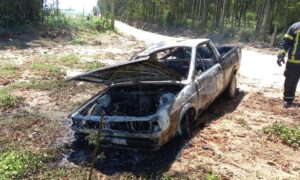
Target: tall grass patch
(7,99)
(9,70)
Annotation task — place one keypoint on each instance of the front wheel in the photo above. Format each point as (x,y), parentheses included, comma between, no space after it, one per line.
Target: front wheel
(185,126)
(231,90)
(80,138)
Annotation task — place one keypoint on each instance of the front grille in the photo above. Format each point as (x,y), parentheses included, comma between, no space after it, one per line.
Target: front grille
(136,126)
(133,126)
(95,125)
(120,126)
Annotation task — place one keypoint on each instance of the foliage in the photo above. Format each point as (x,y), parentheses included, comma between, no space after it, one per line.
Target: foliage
(290,136)
(79,23)
(215,16)
(17,164)
(20,12)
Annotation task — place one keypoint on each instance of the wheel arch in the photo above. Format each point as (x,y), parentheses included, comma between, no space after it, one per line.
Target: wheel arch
(186,109)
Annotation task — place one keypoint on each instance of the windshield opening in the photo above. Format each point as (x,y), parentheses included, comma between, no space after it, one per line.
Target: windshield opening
(176,58)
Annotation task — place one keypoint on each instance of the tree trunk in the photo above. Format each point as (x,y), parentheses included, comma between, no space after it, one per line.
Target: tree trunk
(266,21)
(273,39)
(113,14)
(217,14)
(286,13)
(205,13)
(259,13)
(223,14)
(57,8)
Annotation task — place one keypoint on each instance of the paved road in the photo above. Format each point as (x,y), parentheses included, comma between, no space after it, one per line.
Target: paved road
(260,69)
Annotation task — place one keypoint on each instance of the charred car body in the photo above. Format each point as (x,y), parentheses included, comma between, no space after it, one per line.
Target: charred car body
(158,94)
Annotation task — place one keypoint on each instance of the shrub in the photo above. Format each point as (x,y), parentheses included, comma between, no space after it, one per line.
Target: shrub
(168,18)
(290,136)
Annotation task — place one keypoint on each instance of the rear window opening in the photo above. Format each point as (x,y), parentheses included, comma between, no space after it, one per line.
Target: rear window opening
(224,49)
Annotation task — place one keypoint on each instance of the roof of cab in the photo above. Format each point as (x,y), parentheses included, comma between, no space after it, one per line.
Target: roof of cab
(170,44)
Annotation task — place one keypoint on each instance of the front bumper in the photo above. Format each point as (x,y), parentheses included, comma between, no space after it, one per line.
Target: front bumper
(124,139)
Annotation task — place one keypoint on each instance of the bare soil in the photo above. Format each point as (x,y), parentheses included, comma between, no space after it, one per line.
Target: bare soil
(230,144)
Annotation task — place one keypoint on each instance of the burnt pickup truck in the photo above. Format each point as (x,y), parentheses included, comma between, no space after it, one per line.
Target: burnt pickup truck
(158,94)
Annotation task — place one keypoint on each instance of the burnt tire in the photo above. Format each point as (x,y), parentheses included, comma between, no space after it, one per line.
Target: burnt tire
(80,138)
(185,126)
(231,90)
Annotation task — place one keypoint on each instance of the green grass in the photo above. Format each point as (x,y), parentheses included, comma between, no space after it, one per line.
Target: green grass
(289,136)
(53,70)
(107,55)
(79,41)
(69,60)
(7,99)
(94,65)
(16,164)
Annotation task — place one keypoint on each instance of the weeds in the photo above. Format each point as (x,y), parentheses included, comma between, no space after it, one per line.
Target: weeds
(69,60)
(78,41)
(52,70)
(17,164)
(290,136)
(8,70)
(45,85)
(42,85)
(7,99)
(211,176)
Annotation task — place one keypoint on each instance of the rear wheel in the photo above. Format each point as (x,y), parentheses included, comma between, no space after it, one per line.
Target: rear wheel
(231,90)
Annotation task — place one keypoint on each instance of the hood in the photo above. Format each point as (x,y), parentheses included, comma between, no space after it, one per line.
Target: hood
(132,71)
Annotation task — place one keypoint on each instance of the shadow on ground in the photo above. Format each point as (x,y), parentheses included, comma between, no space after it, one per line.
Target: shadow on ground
(23,37)
(144,163)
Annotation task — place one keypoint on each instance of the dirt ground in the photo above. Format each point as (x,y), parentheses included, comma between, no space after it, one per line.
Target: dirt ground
(231,144)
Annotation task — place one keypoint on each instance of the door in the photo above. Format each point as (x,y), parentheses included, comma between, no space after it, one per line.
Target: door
(208,75)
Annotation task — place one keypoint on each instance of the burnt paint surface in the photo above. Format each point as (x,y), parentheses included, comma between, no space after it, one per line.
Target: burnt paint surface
(199,90)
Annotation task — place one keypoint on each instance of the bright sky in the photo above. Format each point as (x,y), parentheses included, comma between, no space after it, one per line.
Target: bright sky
(77,5)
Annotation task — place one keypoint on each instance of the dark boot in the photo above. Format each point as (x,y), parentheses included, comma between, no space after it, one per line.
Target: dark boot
(292,75)
(287,104)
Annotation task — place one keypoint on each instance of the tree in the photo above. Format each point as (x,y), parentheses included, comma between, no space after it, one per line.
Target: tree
(257,16)
(266,20)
